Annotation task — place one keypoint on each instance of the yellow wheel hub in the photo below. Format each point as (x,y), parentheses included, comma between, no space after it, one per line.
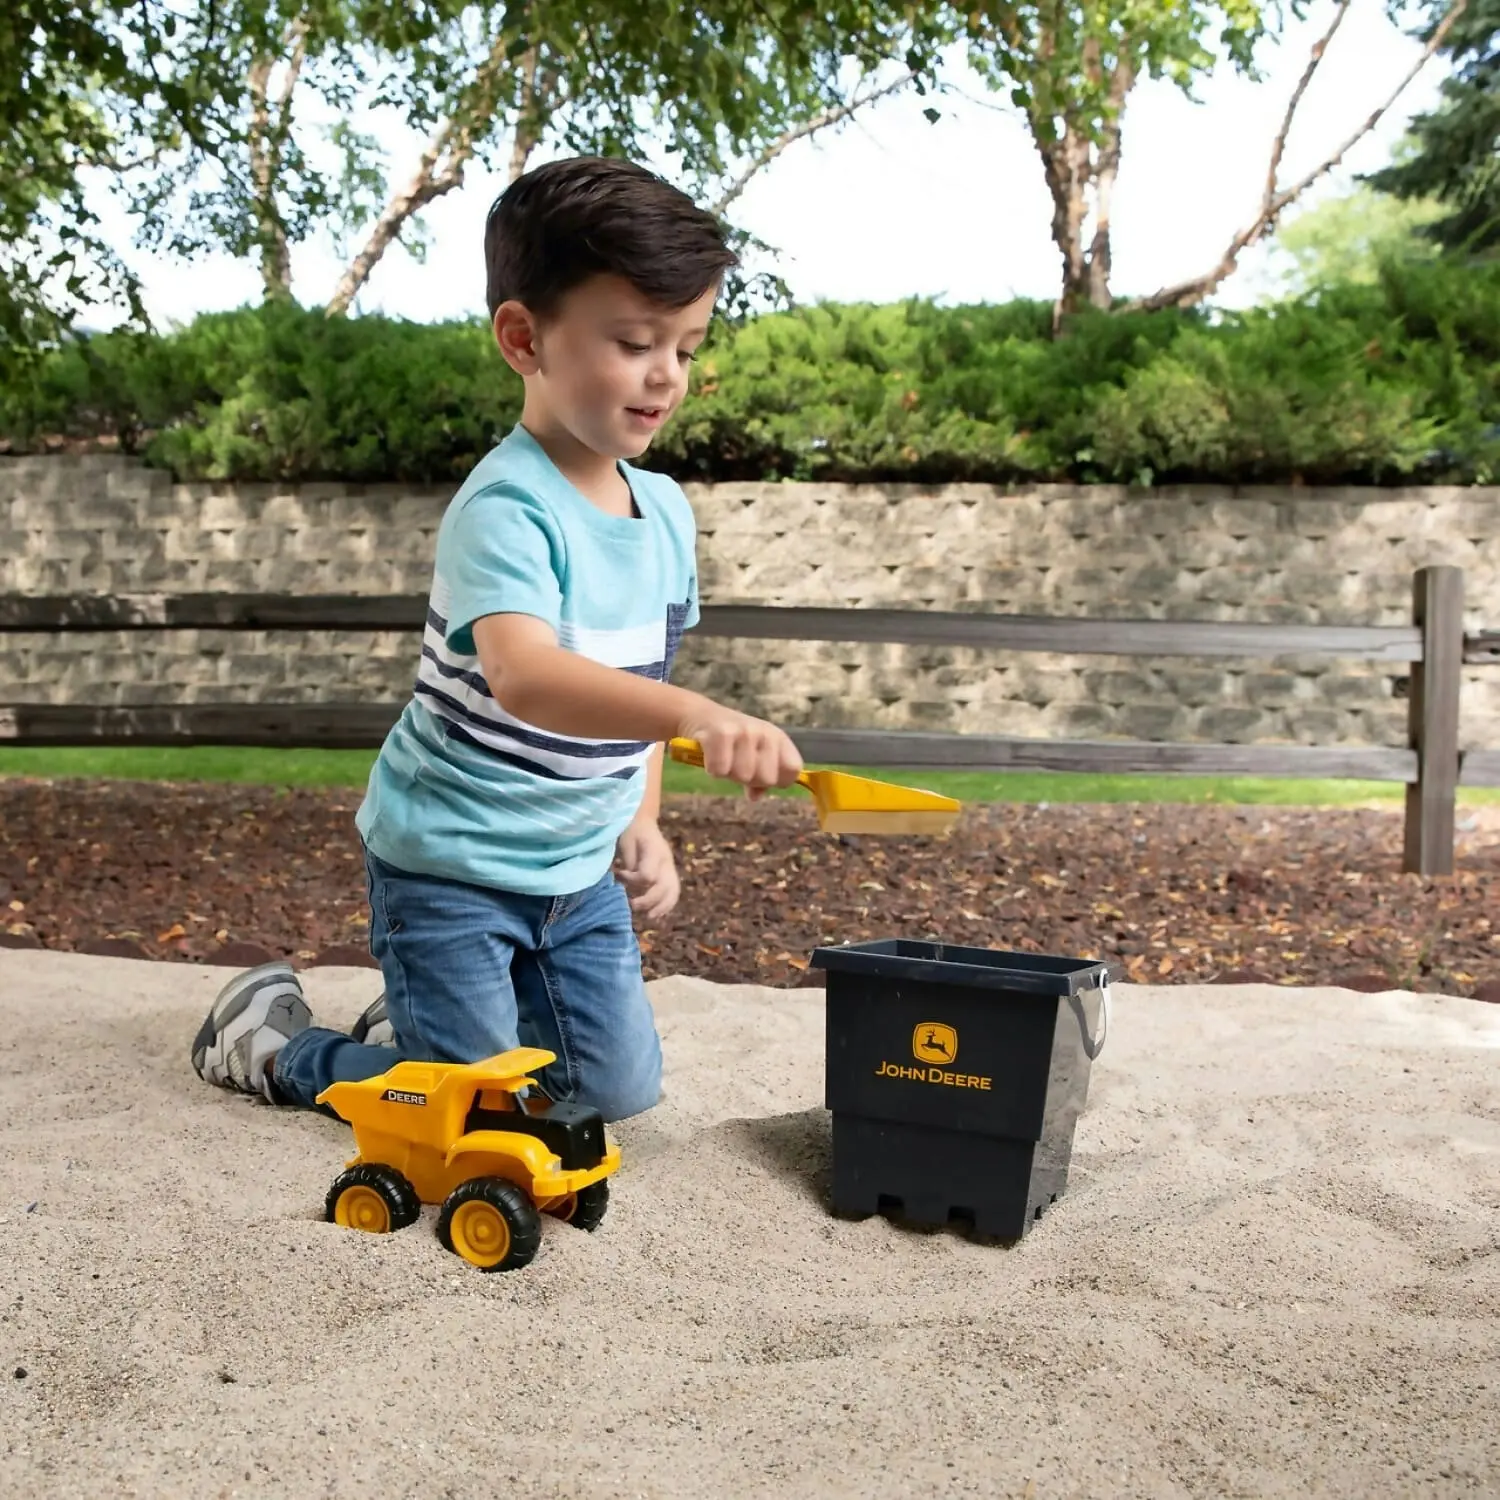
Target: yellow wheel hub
(480,1234)
(363,1208)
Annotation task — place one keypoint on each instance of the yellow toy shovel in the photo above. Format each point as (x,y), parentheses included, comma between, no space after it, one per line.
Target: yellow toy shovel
(857,804)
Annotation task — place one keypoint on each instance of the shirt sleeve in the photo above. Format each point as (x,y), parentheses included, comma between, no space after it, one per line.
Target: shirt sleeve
(505,556)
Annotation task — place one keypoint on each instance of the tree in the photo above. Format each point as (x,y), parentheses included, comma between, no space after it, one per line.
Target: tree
(716,85)
(259,184)
(726,88)
(1345,240)
(1457,155)
(1069,66)
(81,86)
(1276,198)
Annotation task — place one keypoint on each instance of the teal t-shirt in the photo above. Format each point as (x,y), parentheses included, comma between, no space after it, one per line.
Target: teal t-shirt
(465,790)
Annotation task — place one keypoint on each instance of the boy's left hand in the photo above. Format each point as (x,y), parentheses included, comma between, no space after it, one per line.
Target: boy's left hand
(647,870)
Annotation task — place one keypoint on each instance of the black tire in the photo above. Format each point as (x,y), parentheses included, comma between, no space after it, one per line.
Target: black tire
(585,1208)
(401,1201)
(522,1224)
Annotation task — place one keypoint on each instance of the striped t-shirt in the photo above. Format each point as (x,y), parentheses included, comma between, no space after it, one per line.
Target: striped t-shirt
(463,789)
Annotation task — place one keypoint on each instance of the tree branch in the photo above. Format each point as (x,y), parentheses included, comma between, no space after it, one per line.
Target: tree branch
(821,121)
(424,186)
(441,166)
(296,40)
(1278,146)
(1276,200)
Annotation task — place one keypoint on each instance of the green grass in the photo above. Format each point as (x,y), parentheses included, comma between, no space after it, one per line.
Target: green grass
(350,768)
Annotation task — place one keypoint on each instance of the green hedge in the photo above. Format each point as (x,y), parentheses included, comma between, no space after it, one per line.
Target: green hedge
(1376,384)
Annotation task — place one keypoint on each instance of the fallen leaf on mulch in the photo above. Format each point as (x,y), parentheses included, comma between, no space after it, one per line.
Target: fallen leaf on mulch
(1182,894)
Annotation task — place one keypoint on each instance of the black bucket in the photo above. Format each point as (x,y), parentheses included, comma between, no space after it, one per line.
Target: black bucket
(955,1077)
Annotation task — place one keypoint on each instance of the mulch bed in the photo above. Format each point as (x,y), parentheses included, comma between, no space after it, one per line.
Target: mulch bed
(234,874)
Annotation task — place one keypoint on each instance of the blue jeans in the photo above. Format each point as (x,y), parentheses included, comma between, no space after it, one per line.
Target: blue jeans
(470,972)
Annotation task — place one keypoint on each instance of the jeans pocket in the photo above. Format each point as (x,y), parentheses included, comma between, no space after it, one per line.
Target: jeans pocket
(378,895)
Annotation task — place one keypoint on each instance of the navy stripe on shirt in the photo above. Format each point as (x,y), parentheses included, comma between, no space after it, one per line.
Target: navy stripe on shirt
(534,739)
(458,732)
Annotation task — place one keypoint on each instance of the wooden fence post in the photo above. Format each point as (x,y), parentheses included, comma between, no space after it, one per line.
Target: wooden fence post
(1436,681)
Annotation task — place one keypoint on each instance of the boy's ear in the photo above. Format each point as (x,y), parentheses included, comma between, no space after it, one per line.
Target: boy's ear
(515,333)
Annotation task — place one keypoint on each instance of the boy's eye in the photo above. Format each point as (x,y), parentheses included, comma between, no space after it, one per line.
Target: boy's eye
(635,348)
(687,356)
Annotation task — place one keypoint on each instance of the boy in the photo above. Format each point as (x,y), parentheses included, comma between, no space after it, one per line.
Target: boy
(528,761)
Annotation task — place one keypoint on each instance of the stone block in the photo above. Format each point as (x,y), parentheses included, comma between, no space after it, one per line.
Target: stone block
(1315,724)
(1007,590)
(1346,689)
(412,544)
(1267,690)
(249,543)
(320,543)
(1121,685)
(1242,518)
(129,544)
(41,575)
(1383,725)
(184,543)
(41,495)
(1080,721)
(155,572)
(1196,686)
(229,577)
(1155,721)
(1473,514)
(1231,723)
(249,668)
(226,509)
(74,544)
(95,509)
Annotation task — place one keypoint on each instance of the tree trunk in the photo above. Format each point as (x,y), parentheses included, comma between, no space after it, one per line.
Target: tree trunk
(1066,164)
(267,139)
(1106,169)
(1081,177)
(270,232)
(531,117)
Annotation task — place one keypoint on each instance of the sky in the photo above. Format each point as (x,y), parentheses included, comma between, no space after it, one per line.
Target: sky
(892,206)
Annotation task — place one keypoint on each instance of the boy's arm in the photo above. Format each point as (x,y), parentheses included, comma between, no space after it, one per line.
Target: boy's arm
(540,682)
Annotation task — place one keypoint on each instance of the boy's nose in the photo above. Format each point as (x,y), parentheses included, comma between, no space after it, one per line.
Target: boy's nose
(664,372)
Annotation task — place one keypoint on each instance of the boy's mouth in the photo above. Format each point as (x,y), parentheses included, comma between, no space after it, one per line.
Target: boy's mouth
(648,416)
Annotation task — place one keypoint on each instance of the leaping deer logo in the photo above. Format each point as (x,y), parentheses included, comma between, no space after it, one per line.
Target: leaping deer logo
(933,1042)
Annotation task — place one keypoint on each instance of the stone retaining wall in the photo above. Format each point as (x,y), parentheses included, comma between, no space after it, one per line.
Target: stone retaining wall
(107,525)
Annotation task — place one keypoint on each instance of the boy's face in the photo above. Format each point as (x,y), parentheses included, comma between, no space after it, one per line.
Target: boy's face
(609,365)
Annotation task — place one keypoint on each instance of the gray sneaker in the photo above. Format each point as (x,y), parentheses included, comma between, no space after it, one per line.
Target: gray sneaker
(374,1028)
(255,1015)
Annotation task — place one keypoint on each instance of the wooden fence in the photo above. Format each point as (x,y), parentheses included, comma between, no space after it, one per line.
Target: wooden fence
(1433,648)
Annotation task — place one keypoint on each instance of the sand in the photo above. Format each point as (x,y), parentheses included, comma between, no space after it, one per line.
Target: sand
(1275,1272)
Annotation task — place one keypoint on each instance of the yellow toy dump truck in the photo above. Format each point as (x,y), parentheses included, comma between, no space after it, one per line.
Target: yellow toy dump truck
(468,1136)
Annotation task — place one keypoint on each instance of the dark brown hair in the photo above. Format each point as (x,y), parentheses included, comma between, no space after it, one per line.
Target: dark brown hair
(564,222)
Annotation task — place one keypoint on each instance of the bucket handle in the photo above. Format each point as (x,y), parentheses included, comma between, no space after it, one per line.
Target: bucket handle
(1093,1046)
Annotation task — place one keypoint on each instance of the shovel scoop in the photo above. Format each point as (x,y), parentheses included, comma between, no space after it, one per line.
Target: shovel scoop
(858,804)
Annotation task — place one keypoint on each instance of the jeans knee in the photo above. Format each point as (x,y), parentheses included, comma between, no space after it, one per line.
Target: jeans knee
(625,1086)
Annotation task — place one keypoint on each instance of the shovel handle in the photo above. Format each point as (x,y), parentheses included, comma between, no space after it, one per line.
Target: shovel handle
(690,753)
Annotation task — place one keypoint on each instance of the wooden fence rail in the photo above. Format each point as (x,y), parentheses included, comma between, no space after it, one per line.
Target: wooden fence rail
(1433,648)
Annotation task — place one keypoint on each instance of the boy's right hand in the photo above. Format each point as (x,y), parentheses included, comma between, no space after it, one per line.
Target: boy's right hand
(737,747)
